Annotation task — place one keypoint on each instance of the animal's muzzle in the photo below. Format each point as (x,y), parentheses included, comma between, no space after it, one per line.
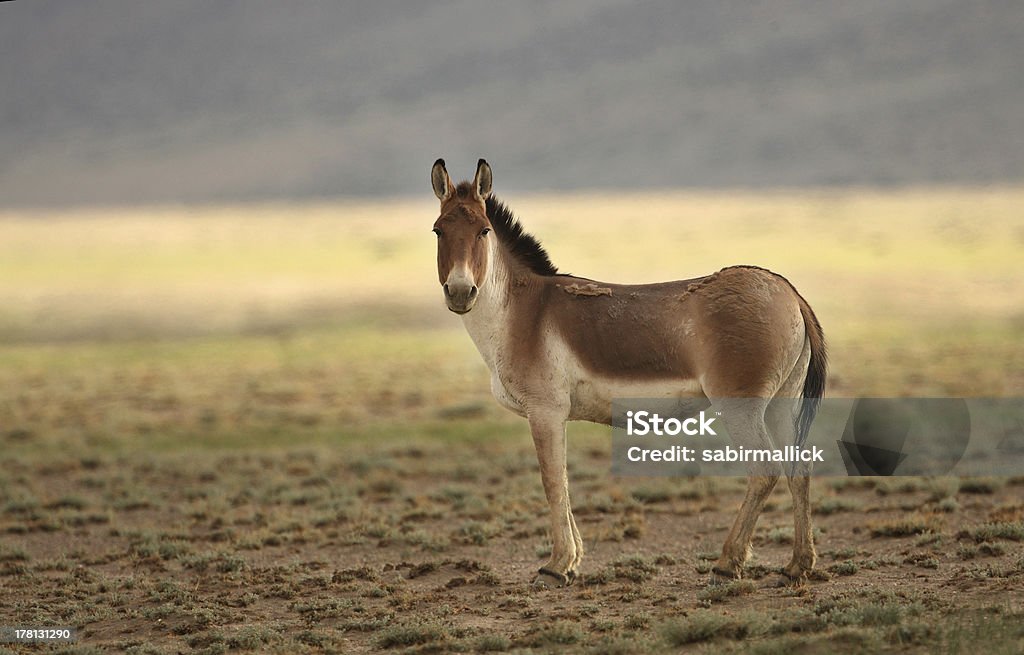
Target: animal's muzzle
(460,297)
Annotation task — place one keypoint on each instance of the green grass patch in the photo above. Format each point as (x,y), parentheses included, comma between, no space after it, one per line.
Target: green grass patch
(836,504)
(905,526)
(849,567)
(1012,531)
(981,485)
(708,625)
(411,634)
(718,593)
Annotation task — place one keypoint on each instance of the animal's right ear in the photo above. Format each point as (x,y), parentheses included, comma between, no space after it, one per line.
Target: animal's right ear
(442,184)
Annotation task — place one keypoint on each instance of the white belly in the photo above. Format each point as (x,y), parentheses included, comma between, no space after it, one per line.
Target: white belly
(592,396)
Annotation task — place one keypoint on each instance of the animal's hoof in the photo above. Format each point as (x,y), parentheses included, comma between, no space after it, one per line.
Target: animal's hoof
(797,578)
(548,579)
(721,576)
(785,580)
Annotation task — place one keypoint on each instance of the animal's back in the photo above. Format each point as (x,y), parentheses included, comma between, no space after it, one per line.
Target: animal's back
(670,330)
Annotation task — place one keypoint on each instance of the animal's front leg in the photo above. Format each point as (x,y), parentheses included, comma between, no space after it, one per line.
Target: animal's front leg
(566,548)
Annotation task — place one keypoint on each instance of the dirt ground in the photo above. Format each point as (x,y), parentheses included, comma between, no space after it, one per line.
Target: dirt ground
(433,549)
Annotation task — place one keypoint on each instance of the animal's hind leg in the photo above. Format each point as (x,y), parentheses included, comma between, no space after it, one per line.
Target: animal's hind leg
(804,555)
(781,415)
(781,421)
(745,421)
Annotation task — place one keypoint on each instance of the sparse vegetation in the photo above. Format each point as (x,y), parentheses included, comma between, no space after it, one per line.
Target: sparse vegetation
(836,504)
(849,567)
(719,592)
(410,635)
(706,625)
(493,643)
(981,485)
(1012,531)
(905,526)
(634,568)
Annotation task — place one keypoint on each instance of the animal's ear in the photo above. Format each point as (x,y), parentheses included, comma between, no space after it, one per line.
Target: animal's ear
(442,184)
(482,180)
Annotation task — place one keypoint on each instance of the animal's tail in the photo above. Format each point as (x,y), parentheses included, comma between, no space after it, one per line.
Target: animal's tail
(817,367)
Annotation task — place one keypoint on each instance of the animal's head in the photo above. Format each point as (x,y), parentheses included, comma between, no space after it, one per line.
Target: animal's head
(464,235)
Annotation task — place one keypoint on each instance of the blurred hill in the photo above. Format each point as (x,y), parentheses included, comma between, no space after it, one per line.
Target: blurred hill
(112,101)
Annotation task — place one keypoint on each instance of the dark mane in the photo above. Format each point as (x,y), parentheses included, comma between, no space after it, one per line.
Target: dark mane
(522,245)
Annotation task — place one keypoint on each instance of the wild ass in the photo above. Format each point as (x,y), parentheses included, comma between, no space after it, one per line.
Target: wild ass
(561,348)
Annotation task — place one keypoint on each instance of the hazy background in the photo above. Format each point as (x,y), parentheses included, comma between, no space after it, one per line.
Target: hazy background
(115,101)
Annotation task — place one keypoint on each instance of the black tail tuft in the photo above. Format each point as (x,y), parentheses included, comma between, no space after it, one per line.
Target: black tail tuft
(817,370)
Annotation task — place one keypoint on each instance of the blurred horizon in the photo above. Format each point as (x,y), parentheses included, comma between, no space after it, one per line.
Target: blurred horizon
(108,102)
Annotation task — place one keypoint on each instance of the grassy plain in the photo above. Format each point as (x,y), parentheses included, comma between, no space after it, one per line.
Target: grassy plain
(257,428)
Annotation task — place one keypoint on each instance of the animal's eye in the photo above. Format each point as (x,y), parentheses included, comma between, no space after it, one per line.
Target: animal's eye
(437,231)
(484,232)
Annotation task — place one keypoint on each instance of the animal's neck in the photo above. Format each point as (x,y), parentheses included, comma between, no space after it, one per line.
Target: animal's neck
(488,322)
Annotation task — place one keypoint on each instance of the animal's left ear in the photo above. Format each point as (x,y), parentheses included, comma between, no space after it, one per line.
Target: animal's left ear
(482,180)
